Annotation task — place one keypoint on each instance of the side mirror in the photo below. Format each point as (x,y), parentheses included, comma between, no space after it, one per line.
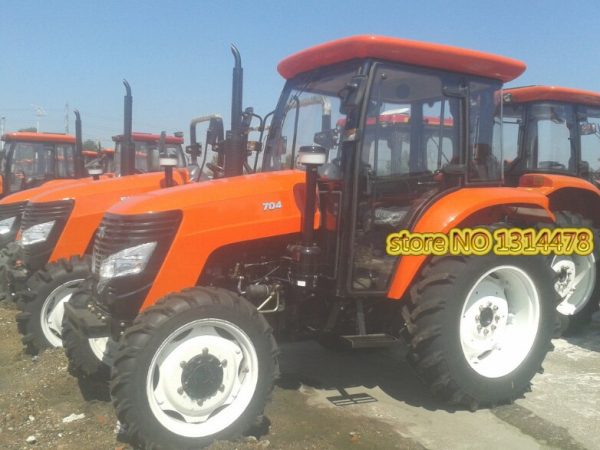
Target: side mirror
(586,128)
(351,95)
(214,133)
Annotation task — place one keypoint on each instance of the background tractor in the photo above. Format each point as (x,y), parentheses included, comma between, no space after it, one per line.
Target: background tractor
(552,143)
(194,282)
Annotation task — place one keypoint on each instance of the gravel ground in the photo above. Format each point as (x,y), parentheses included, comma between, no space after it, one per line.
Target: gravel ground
(369,400)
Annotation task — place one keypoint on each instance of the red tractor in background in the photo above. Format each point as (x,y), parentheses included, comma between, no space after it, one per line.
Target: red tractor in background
(194,282)
(552,143)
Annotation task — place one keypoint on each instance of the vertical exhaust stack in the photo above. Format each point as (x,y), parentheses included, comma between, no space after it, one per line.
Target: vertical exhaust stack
(79,166)
(234,154)
(128,151)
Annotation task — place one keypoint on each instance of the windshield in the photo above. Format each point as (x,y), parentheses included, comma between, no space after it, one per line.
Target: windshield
(309,114)
(147,156)
(32,163)
(413,128)
(540,137)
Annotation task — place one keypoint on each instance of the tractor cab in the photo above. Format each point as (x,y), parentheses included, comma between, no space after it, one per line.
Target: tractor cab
(409,126)
(551,129)
(30,159)
(147,151)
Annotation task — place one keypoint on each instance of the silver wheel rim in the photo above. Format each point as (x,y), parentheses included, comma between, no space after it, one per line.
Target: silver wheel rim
(98,347)
(187,414)
(53,309)
(499,321)
(576,282)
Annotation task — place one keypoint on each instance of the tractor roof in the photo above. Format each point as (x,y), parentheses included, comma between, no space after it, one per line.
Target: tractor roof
(29,136)
(552,93)
(150,137)
(418,53)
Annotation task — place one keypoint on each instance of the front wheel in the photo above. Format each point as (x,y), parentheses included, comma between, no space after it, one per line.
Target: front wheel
(480,326)
(197,366)
(42,302)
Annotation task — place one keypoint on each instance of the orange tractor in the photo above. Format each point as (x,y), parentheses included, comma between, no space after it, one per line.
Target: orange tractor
(58,227)
(552,143)
(193,283)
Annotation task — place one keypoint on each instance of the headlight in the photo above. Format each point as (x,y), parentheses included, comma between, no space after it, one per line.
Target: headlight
(37,233)
(6,225)
(130,261)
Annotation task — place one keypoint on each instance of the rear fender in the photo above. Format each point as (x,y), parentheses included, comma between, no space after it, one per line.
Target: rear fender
(466,208)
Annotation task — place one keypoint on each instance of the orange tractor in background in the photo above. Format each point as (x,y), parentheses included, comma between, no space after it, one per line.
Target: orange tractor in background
(193,283)
(551,140)
(58,227)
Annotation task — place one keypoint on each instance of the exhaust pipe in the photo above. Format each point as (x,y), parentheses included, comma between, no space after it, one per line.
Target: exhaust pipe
(79,167)
(234,154)
(128,151)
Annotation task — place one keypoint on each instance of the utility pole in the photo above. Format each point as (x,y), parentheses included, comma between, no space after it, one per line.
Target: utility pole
(2,123)
(67,118)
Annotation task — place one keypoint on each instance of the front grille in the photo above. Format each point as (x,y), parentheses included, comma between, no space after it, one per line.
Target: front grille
(36,255)
(6,212)
(117,232)
(123,296)
(45,212)
(11,210)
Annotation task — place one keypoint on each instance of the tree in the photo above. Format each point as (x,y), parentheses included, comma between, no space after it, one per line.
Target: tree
(29,129)
(90,145)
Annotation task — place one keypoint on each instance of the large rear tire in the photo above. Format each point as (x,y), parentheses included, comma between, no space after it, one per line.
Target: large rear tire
(480,326)
(42,302)
(197,366)
(578,282)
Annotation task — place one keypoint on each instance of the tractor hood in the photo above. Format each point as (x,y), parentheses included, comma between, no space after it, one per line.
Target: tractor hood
(218,213)
(242,197)
(91,198)
(27,194)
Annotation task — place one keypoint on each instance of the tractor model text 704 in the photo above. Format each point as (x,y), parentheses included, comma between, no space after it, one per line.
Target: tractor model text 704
(195,282)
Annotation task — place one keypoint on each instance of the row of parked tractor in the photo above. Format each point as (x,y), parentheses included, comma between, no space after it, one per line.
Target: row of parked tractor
(169,279)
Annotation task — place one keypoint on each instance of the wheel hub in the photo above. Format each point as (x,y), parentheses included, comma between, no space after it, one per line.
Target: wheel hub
(486,317)
(202,376)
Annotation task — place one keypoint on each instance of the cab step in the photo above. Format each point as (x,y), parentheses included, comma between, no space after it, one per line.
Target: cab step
(376,340)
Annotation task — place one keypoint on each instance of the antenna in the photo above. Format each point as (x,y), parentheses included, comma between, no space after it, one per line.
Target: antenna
(39,112)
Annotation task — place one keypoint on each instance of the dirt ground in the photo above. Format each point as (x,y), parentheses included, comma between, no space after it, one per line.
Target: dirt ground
(369,400)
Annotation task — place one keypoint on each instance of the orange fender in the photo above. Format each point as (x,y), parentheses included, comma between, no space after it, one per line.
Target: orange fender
(549,183)
(451,211)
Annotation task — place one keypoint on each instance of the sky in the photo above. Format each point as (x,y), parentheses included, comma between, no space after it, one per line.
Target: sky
(175,54)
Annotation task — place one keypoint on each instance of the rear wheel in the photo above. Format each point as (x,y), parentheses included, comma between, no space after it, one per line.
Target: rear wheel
(480,326)
(577,285)
(196,367)
(42,302)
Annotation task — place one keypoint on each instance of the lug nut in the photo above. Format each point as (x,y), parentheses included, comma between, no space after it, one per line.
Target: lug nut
(476,318)
(493,327)
(180,390)
(497,318)
(478,327)
(495,307)
(200,402)
(205,351)
(221,388)
(182,364)
(224,363)
(486,331)
(481,307)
